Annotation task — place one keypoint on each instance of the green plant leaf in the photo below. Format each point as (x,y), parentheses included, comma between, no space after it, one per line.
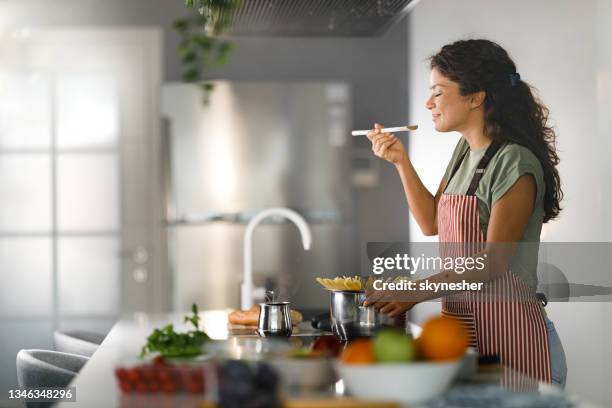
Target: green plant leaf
(191,75)
(195,318)
(202,19)
(223,51)
(199,47)
(169,343)
(184,48)
(181,25)
(204,42)
(207,88)
(189,57)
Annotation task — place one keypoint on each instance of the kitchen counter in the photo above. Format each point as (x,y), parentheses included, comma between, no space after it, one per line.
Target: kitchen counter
(96,385)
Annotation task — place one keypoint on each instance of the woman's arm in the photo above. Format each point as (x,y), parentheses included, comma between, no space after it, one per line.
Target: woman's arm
(509,217)
(421,202)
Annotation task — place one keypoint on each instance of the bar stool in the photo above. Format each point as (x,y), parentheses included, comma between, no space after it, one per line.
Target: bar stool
(83,343)
(45,368)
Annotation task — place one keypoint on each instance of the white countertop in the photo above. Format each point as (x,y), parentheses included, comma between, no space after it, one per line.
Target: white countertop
(96,385)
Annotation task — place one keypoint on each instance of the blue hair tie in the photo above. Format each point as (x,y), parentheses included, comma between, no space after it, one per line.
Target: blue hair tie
(514,79)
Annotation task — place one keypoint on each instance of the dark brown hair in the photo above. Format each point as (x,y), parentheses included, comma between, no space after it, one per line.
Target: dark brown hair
(512,113)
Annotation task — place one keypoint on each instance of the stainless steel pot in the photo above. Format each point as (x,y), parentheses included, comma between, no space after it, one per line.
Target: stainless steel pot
(274,319)
(351,319)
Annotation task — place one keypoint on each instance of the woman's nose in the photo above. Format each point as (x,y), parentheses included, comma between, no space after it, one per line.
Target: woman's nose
(429,103)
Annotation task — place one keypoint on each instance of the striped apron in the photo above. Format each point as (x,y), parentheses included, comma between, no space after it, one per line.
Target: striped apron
(505,318)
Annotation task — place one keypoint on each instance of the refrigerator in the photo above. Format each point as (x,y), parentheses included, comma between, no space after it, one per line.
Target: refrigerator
(256,145)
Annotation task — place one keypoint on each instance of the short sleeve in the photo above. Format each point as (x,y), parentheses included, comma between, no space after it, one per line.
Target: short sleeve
(515,161)
(459,149)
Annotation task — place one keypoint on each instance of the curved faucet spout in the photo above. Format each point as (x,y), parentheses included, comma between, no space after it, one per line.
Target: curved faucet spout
(246,292)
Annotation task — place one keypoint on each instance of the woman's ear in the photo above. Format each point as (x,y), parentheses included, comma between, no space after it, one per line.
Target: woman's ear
(477,99)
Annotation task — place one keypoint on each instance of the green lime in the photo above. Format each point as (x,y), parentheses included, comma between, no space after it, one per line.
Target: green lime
(393,346)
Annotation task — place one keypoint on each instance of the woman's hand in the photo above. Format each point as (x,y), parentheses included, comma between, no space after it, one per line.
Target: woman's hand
(394,309)
(382,303)
(386,145)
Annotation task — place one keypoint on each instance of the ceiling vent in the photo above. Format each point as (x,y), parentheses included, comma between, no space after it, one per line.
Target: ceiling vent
(306,18)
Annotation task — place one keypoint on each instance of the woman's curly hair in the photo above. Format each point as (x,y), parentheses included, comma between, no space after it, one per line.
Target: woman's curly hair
(511,111)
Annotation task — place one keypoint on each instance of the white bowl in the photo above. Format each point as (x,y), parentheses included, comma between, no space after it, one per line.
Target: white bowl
(409,383)
(304,373)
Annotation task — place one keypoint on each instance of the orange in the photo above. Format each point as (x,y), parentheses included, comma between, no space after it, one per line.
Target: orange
(442,339)
(358,351)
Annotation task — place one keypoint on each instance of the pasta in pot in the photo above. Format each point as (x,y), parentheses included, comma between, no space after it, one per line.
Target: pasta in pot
(354,283)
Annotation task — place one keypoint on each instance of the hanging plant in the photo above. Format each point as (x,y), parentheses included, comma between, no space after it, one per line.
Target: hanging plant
(201,47)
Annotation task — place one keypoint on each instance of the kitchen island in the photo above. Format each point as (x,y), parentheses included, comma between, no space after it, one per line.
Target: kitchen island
(96,386)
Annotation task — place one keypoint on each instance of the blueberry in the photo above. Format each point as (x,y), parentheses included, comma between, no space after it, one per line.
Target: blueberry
(240,386)
(266,377)
(235,370)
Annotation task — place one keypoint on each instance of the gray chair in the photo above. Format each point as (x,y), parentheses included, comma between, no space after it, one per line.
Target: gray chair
(44,368)
(83,343)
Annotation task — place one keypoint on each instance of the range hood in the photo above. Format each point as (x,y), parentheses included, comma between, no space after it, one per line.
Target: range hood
(308,18)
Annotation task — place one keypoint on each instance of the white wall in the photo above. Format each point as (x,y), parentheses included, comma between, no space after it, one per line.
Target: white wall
(564,48)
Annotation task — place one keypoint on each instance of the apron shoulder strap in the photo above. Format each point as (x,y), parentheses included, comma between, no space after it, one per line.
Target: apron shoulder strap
(491,150)
(456,167)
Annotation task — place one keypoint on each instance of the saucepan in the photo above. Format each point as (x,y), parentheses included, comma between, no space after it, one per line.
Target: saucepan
(351,319)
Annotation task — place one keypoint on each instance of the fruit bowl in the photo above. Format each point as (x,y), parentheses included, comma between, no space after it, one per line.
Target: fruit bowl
(409,383)
(304,373)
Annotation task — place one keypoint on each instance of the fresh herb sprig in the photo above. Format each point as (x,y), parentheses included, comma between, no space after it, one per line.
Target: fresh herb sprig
(169,343)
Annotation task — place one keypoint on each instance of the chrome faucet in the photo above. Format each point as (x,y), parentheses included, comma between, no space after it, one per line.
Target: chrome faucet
(247,291)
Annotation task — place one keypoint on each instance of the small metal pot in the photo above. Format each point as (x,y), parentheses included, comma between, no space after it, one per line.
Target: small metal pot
(275,320)
(351,319)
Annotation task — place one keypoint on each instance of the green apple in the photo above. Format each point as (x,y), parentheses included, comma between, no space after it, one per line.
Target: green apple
(393,346)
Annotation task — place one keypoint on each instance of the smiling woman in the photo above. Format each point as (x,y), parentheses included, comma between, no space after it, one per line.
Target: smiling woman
(499,187)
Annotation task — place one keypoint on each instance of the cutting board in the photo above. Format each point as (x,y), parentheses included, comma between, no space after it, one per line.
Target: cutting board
(242,330)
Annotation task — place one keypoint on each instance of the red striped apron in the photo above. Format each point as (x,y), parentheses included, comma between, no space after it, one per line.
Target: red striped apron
(505,317)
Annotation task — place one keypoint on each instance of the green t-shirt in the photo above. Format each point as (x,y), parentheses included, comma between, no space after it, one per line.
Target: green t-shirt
(508,164)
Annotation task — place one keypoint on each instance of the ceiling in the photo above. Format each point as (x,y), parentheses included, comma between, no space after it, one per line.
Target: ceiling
(317,17)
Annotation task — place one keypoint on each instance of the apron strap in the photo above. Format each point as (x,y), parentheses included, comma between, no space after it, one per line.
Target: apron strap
(456,167)
(491,150)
